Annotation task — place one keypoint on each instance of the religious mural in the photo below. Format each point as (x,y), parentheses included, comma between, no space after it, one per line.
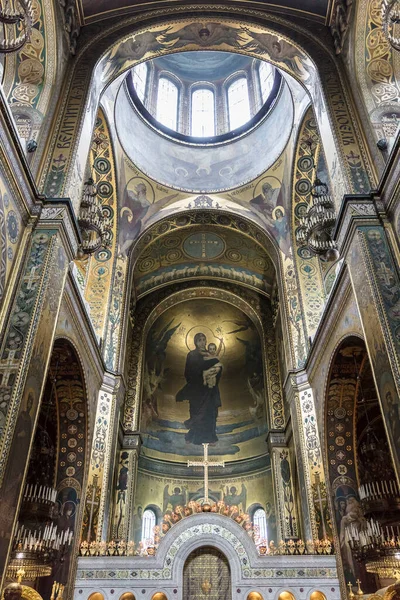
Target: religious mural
(222,254)
(165,494)
(203,383)
(10,231)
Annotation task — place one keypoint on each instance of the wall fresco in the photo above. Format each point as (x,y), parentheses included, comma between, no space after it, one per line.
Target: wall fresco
(100,267)
(11,228)
(208,390)
(309,270)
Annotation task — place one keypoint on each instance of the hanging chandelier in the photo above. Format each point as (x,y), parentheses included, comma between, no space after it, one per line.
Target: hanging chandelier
(36,546)
(391,18)
(95,226)
(15,15)
(317,224)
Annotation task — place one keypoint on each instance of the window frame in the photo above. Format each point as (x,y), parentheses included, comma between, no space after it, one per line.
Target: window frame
(150,539)
(178,84)
(203,85)
(229,81)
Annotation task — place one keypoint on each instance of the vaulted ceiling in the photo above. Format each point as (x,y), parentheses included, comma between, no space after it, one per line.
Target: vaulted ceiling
(95,10)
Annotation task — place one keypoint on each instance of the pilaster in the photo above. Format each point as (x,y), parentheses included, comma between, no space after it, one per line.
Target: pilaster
(25,350)
(285,493)
(125,486)
(98,500)
(374,275)
(314,501)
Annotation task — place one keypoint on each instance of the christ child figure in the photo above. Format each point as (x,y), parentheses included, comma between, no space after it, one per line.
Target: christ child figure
(210,375)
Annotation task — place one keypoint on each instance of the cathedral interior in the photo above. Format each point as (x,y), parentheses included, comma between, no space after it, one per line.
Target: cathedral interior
(199,300)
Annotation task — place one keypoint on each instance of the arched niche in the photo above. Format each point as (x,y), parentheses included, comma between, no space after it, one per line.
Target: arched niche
(109,53)
(317,595)
(255,596)
(159,596)
(127,596)
(58,457)
(357,450)
(206,570)
(286,596)
(96,596)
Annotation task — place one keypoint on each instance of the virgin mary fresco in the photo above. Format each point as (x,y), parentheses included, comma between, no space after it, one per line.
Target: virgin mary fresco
(203,383)
(203,371)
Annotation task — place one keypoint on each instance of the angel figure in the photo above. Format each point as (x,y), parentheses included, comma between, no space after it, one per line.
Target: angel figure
(177,498)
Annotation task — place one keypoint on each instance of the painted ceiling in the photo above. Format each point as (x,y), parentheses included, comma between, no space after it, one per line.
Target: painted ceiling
(203,66)
(215,253)
(95,10)
(197,168)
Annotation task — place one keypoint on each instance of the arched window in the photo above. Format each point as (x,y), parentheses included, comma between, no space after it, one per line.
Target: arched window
(139,79)
(266,77)
(148,524)
(238,103)
(260,522)
(167,103)
(203,113)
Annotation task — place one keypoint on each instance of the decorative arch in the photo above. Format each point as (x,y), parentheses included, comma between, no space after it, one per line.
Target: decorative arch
(95,274)
(286,48)
(350,394)
(58,454)
(309,269)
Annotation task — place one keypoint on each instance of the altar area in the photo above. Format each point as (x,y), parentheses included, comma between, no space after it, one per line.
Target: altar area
(252,577)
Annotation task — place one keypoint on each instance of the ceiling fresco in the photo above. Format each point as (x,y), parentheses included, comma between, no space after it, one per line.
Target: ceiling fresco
(198,390)
(208,168)
(95,10)
(216,253)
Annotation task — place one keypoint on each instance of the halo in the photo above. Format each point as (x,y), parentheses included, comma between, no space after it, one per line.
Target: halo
(278,208)
(258,187)
(210,339)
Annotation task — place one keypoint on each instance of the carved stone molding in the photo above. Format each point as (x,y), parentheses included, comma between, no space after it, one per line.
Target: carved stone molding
(71,23)
(340,21)
(360,210)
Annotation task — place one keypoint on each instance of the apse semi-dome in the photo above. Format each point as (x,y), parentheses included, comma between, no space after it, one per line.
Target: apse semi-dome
(244,103)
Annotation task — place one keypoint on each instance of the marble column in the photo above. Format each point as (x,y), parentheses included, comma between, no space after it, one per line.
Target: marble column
(26,345)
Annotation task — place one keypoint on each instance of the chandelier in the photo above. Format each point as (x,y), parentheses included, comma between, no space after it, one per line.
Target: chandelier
(391,18)
(377,547)
(15,15)
(37,545)
(317,224)
(95,226)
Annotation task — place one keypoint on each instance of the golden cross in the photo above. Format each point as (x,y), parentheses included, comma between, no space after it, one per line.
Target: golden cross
(205,464)
(351,593)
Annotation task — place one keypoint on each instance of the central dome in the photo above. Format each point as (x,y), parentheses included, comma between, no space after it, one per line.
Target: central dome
(203,97)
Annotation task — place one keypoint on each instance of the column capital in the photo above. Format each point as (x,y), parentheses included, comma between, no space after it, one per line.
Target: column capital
(132,441)
(356,210)
(276,439)
(59,213)
(297,381)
